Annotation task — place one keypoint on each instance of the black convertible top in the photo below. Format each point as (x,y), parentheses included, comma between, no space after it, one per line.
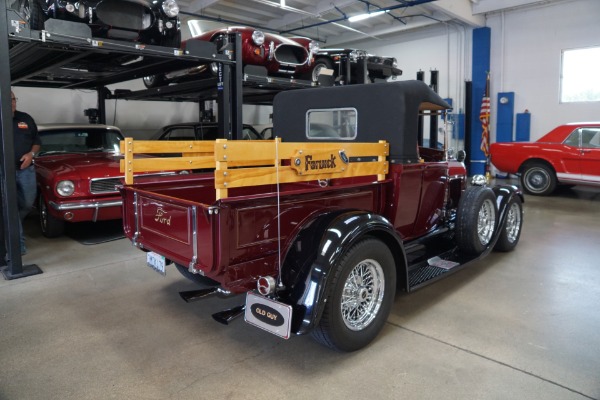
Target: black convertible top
(384,111)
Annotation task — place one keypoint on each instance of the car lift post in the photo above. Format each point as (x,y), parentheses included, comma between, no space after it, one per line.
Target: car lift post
(14,268)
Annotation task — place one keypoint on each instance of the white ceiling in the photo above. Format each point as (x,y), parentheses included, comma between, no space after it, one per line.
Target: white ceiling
(326,20)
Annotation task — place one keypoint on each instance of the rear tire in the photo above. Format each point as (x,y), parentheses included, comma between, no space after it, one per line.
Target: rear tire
(538,179)
(476,219)
(511,232)
(196,278)
(362,292)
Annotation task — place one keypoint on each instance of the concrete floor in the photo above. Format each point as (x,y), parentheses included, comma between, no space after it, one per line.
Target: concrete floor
(99,324)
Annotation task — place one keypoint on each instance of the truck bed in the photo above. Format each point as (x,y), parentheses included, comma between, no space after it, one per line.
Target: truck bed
(217,223)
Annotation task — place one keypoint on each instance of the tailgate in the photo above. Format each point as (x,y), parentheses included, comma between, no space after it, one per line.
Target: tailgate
(180,230)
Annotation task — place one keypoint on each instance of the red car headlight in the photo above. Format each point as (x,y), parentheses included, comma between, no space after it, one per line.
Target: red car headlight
(65,188)
(258,38)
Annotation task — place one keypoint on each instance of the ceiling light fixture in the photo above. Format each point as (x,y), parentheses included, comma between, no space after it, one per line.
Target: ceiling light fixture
(360,17)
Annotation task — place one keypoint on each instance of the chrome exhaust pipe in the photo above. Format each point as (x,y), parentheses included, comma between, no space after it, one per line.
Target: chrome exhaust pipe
(226,316)
(195,295)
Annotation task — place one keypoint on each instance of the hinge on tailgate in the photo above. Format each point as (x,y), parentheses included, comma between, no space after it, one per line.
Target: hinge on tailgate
(137,221)
(194,243)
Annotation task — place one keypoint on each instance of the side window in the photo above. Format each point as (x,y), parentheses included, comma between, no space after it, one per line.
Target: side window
(590,138)
(335,123)
(573,138)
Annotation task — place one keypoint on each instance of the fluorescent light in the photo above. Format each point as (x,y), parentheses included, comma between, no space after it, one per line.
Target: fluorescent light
(360,17)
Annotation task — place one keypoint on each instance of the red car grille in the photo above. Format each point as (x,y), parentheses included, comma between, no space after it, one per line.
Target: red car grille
(291,55)
(105,185)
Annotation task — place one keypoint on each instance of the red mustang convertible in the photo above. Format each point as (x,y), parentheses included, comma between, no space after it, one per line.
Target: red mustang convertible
(569,154)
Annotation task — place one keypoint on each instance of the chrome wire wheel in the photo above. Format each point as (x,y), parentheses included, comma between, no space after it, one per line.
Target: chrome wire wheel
(513,223)
(362,294)
(486,222)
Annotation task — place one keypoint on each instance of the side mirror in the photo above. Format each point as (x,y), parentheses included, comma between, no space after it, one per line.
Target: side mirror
(461,155)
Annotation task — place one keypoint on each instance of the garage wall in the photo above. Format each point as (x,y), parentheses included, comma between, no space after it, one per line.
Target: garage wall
(525,58)
(138,119)
(527,47)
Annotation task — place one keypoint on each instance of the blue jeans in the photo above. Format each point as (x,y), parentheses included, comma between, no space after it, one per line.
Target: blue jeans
(26,193)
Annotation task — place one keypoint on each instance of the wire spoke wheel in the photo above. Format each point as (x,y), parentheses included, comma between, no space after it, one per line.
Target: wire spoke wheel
(486,222)
(476,219)
(362,292)
(362,295)
(511,232)
(513,222)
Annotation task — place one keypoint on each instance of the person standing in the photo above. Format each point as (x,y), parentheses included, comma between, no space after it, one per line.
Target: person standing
(26,145)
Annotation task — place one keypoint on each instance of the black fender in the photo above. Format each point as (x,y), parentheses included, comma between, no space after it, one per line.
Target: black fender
(504,194)
(322,243)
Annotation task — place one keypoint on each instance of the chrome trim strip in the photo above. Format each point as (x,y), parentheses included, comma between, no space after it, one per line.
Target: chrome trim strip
(194,242)
(581,178)
(83,206)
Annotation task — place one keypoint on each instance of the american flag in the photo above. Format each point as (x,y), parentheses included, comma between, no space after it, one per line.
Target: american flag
(484,117)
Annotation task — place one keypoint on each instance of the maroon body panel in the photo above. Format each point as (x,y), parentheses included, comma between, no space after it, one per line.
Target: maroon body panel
(237,239)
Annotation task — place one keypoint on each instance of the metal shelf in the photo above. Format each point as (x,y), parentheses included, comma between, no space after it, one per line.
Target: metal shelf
(65,55)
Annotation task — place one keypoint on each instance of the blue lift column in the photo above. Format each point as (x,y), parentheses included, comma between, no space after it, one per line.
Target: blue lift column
(481,67)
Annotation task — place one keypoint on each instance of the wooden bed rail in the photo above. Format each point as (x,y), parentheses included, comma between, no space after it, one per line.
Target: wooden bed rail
(239,163)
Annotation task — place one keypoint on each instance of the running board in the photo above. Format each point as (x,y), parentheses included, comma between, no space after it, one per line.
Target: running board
(429,272)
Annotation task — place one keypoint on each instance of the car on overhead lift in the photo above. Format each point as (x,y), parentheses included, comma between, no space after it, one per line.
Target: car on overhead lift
(279,55)
(349,66)
(144,21)
(319,227)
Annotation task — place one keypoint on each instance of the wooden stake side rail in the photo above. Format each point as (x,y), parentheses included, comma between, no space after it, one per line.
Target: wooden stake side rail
(239,163)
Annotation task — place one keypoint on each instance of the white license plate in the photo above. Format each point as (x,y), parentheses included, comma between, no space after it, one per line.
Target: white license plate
(156,262)
(267,314)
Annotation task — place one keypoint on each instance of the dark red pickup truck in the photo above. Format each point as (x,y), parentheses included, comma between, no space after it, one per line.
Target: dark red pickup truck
(319,227)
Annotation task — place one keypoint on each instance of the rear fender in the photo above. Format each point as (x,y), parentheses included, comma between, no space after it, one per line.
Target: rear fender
(504,194)
(318,248)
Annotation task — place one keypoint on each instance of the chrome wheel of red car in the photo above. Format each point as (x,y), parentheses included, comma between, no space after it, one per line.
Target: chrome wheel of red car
(509,237)
(476,219)
(320,64)
(364,285)
(538,179)
(51,227)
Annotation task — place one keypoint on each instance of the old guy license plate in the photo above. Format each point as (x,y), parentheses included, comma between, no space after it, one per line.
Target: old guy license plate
(156,262)
(268,314)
